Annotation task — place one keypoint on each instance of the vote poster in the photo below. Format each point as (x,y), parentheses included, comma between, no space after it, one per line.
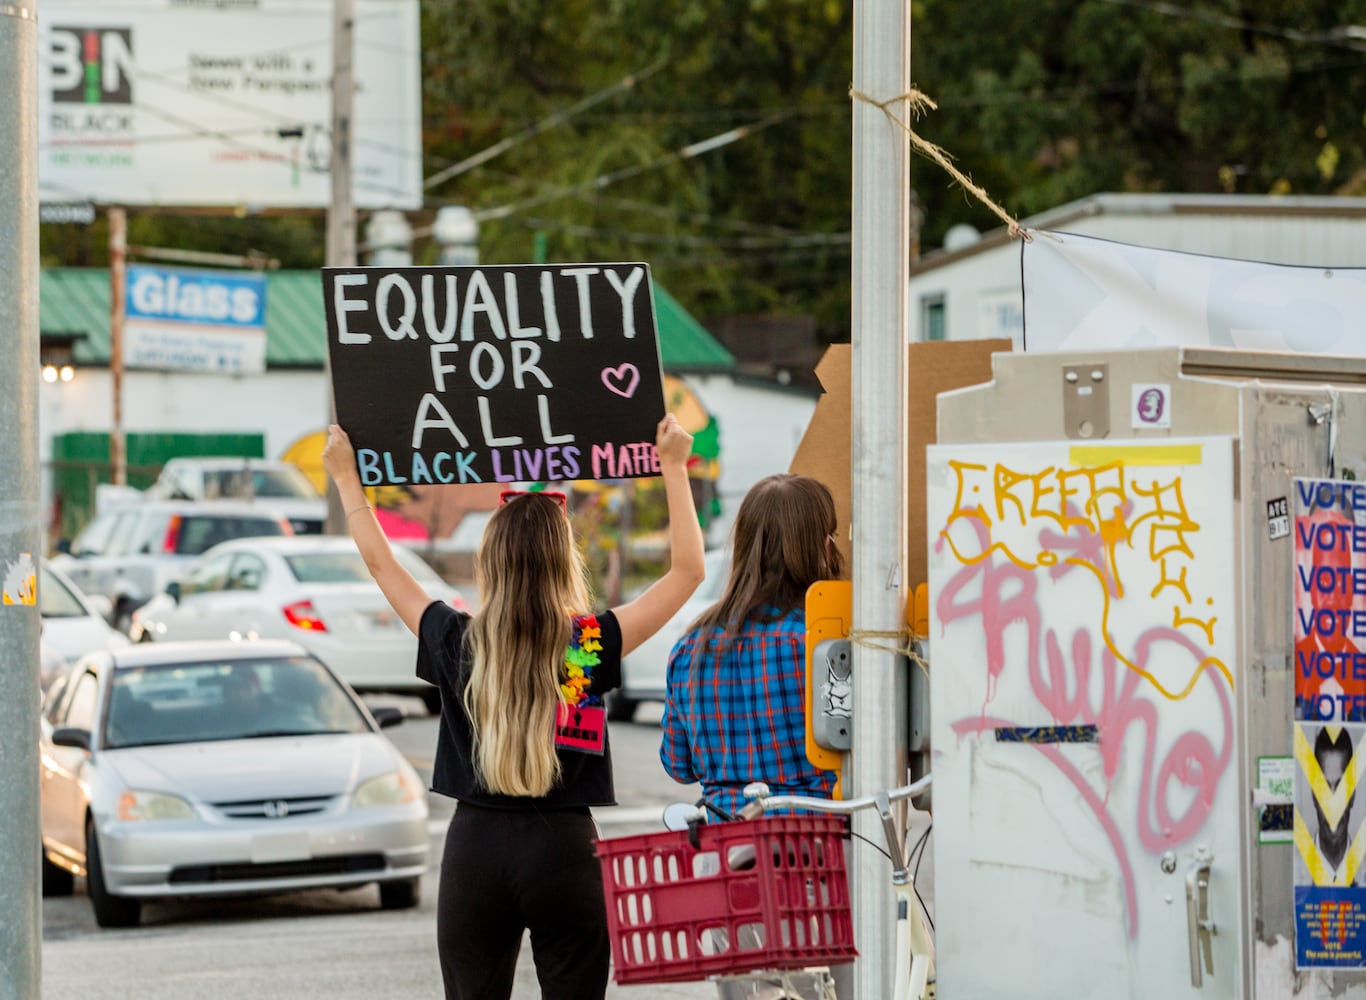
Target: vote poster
(517,373)
(1329,588)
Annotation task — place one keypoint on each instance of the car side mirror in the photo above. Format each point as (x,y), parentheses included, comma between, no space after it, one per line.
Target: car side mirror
(72,736)
(388,715)
(63,546)
(173,590)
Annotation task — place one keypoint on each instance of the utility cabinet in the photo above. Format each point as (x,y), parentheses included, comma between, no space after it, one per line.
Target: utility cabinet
(1121,799)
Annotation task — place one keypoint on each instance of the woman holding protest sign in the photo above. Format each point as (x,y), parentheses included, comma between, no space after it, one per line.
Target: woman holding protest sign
(523,742)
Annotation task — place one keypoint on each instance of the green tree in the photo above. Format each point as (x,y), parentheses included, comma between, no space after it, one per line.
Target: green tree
(1040,102)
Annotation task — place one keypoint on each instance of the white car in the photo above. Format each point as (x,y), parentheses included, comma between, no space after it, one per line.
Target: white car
(73,624)
(221,768)
(313,589)
(280,484)
(131,552)
(644,673)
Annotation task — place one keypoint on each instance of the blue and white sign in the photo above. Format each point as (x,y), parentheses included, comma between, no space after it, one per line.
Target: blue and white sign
(191,320)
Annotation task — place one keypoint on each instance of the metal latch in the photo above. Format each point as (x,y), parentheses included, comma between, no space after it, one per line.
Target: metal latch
(1199,926)
(1086,400)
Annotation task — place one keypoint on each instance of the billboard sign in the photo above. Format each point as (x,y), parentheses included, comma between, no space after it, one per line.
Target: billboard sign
(168,103)
(518,373)
(179,319)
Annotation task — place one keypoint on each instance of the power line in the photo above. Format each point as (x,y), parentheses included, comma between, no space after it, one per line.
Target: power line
(1348,36)
(680,240)
(605,180)
(545,124)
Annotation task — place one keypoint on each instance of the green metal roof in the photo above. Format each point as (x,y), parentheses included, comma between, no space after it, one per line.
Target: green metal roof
(76,300)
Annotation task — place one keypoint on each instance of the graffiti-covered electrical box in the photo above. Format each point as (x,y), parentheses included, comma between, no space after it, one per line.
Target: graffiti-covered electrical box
(1147,586)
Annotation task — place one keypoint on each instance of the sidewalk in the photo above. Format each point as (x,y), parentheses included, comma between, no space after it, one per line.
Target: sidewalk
(527,988)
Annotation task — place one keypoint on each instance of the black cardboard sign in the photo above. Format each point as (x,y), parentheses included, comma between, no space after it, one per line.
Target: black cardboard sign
(517,373)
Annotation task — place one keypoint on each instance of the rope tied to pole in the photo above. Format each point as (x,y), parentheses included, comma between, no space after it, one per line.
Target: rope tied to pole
(899,641)
(919,103)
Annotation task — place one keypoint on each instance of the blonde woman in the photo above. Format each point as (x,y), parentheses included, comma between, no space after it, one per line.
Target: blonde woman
(522,744)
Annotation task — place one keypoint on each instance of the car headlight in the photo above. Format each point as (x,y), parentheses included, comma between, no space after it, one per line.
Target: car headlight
(386,790)
(153,805)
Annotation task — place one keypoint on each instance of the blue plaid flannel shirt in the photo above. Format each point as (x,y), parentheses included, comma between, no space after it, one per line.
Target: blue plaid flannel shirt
(738,716)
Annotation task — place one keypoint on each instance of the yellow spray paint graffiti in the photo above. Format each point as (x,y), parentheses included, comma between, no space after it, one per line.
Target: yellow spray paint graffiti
(1129,501)
(21,582)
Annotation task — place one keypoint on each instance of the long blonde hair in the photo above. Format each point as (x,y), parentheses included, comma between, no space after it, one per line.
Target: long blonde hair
(532,581)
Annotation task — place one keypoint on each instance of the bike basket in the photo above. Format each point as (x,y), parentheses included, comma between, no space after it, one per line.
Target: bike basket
(771,893)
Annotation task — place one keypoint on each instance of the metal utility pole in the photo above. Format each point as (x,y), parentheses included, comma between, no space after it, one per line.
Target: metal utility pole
(341,211)
(881,249)
(118,287)
(21,535)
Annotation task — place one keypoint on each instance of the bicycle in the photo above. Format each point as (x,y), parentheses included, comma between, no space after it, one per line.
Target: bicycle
(914,952)
(913,974)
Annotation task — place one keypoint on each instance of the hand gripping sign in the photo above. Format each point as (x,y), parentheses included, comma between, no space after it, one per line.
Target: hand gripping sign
(515,373)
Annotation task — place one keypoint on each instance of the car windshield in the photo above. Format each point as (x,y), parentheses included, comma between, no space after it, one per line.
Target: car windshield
(55,599)
(349,567)
(226,700)
(199,532)
(289,483)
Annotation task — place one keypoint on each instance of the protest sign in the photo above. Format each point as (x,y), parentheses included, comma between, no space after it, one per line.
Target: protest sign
(513,373)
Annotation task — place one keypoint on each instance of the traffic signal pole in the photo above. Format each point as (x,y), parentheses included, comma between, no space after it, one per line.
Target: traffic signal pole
(21,535)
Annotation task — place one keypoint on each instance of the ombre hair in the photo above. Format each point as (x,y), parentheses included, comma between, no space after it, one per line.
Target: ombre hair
(783,541)
(532,581)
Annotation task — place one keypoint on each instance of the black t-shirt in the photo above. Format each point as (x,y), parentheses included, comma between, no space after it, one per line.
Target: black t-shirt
(443,660)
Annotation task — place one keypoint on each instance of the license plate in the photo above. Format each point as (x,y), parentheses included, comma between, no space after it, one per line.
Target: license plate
(290,846)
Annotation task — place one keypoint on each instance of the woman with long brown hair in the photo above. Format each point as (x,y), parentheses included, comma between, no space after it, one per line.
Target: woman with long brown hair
(736,681)
(523,743)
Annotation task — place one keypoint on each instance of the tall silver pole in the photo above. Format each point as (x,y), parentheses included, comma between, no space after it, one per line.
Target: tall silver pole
(118,288)
(881,258)
(341,211)
(21,537)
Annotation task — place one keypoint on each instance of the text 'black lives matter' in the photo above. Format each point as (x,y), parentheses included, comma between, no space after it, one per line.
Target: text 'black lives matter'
(517,373)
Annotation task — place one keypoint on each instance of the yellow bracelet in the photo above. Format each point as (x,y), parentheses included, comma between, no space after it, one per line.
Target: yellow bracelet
(364,506)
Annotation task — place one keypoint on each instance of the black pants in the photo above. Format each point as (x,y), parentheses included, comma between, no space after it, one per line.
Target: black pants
(506,872)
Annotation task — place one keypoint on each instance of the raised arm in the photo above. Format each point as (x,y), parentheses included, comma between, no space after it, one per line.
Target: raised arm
(649,612)
(405,594)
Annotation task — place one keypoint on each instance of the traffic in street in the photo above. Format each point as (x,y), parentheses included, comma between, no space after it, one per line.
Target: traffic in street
(333,943)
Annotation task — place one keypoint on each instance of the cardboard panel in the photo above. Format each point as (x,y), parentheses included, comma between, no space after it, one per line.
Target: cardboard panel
(824,453)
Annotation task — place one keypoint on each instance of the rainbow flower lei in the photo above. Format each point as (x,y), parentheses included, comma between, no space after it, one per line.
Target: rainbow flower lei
(580,659)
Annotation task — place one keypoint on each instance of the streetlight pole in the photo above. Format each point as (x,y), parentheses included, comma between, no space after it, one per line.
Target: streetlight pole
(881,259)
(20,509)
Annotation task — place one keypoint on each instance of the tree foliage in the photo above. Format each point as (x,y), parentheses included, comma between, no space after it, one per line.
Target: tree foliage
(1040,102)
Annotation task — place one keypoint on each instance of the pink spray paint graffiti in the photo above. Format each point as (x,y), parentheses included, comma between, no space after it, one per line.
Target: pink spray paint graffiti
(1078,679)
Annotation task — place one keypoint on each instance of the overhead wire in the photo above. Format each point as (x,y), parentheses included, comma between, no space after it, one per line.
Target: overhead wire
(544,125)
(1349,36)
(687,152)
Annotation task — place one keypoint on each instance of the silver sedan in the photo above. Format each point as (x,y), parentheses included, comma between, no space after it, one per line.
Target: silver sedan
(222,768)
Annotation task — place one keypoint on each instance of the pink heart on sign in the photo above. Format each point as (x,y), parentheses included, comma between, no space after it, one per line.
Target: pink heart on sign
(622,379)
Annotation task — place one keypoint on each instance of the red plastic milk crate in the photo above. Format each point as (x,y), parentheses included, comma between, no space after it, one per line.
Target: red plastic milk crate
(770,893)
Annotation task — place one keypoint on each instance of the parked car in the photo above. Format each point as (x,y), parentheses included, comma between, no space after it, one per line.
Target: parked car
(282,485)
(132,552)
(313,589)
(222,768)
(644,673)
(73,624)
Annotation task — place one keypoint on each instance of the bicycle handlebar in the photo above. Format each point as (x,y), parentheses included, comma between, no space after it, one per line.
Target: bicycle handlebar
(760,800)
